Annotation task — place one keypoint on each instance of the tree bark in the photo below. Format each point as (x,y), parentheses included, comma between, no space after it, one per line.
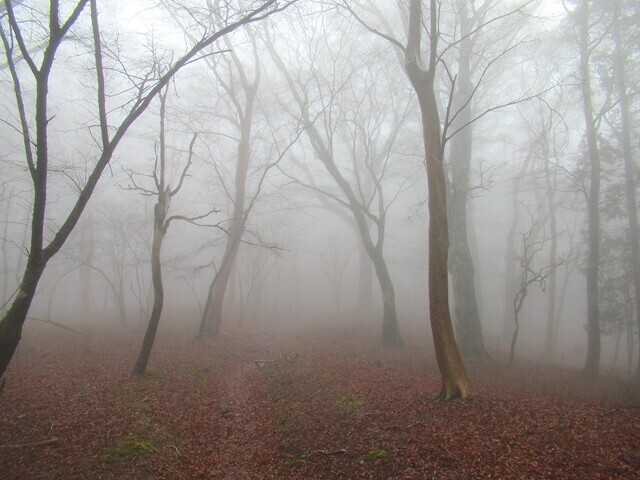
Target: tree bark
(455,382)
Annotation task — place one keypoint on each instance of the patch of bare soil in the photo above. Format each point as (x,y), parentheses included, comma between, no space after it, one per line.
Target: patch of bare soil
(252,407)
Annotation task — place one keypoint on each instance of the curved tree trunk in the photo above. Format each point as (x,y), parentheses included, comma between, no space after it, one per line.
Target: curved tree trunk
(455,382)
(212,316)
(159,231)
(390,331)
(361,213)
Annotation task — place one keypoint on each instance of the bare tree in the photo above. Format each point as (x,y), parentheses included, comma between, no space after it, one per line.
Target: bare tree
(243,101)
(369,153)
(35,132)
(161,221)
(531,274)
(582,18)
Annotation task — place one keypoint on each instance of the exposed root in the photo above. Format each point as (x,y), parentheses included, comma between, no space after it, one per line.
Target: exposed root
(448,394)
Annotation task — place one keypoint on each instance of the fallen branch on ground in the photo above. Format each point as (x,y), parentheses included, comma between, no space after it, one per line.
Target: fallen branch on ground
(288,359)
(324,452)
(49,441)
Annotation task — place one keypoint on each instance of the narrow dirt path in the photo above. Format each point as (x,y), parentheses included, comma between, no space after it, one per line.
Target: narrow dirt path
(250,443)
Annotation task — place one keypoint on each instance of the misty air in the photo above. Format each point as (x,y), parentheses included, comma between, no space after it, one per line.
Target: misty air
(303,239)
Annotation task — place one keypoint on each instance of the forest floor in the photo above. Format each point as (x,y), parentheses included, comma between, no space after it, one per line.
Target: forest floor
(303,407)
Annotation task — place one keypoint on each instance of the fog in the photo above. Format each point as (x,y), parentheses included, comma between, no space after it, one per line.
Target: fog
(315,103)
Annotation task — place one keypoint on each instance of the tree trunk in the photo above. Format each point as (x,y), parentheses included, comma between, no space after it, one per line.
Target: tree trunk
(517,306)
(592,363)
(390,331)
(365,286)
(14,318)
(454,376)
(550,340)
(159,231)
(85,274)
(212,315)
(461,266)
(629,181)
(455,382)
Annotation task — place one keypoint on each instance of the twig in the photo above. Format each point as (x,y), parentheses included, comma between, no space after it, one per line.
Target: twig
(49,441)
(176,450)
(564,451)
(324,452)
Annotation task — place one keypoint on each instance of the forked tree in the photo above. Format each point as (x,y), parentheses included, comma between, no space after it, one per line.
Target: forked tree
(163,194)
(355,156)
(455,382)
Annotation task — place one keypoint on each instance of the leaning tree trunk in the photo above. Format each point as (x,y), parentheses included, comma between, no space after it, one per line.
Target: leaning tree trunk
(390,331)
(13,319)
(454,376)
(212,315)
(159,230)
